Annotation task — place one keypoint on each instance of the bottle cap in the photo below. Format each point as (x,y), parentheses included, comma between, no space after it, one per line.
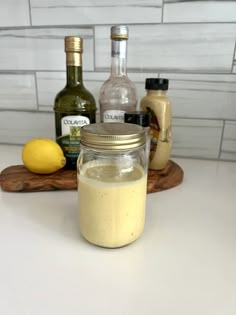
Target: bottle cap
(157,84)
(112,136)
(119,32)
(73,44)
(138,117)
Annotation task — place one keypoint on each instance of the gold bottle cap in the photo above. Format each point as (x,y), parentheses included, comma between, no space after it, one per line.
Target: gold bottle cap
(112,136)
(119,32)
(73,44)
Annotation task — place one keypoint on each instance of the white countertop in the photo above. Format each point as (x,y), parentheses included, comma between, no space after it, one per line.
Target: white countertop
(184,264)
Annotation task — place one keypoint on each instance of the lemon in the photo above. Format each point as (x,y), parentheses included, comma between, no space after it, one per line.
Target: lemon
(43,156)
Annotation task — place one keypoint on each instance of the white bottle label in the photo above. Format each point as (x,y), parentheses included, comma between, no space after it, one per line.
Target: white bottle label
(113,116)
(70,125)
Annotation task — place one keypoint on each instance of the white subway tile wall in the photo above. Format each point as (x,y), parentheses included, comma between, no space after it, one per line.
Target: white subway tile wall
(61,12)
(18,91)
(229,141)
(190,42)
(41,48)
(19,127)
(197,138)
(176,47)
(14,13)
(179,11)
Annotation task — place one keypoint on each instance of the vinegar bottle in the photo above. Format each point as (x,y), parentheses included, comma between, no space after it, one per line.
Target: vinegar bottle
(118,93)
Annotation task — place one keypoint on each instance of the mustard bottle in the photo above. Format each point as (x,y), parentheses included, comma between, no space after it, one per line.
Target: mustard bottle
(157,102)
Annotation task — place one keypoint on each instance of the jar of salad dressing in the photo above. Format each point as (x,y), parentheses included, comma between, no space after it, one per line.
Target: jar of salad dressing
(112,177)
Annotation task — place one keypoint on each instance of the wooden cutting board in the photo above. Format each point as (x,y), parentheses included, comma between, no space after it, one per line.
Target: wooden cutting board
(17,178)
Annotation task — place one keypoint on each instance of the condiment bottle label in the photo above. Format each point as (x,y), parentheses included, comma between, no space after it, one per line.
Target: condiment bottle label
(154,134)
(113,116)
(70,134)
(71,125)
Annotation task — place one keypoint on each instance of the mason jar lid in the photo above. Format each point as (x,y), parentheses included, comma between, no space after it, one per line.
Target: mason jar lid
(112,136)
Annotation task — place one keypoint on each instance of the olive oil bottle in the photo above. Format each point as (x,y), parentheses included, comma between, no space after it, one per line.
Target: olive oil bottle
(74,106)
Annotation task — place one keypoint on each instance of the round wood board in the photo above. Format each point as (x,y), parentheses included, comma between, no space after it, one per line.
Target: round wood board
(171,176)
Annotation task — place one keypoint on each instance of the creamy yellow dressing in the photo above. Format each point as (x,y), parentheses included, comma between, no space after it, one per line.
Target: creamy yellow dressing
(111,203)
(160,106)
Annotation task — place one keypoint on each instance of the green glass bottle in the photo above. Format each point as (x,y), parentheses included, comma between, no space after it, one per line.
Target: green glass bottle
(74,106)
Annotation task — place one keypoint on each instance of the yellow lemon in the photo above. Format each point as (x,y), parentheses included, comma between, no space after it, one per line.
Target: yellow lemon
(43,156)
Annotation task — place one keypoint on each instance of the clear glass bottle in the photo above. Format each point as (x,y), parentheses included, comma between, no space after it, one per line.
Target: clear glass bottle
(112,176)
(118,93)
(74,105)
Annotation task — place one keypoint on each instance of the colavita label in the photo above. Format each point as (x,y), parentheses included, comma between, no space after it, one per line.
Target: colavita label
(113,116)
(71,125)
(70,134)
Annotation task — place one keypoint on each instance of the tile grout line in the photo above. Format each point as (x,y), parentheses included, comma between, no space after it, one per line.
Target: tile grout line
(202,118)
(94,49)
(136,71)
(178,156)
(45,26)
(232,67)
(32,111)
(36,90)
(30,16)
(162,12)
(221,140)
(2,109)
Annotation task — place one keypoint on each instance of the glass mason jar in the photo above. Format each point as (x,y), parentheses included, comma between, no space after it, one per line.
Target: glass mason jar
(112,177)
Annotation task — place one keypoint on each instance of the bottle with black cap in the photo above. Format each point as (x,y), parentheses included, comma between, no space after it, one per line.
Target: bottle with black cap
(158,104)
(143,119)
(138,117)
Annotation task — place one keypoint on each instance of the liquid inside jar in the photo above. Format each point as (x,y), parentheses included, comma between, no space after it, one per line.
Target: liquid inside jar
(112,198)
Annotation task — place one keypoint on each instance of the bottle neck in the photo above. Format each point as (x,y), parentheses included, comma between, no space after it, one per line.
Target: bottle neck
(118,57)
(157,92)
(74,75)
